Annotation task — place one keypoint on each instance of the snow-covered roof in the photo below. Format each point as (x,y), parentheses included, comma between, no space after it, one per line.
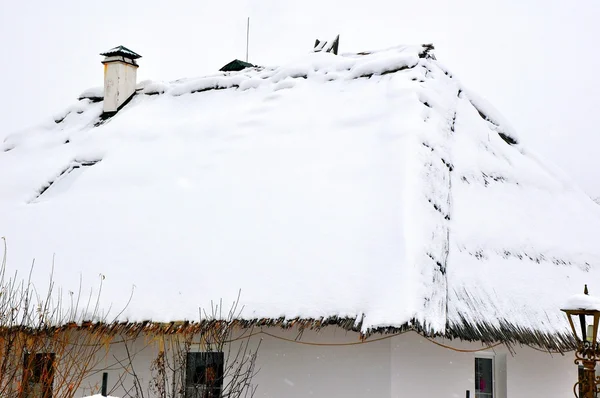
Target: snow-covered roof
(367,186)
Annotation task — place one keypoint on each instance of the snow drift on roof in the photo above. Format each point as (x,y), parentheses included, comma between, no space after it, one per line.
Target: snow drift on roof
(364,186)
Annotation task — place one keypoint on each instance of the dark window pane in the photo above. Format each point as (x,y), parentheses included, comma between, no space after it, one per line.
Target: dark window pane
(484,378)
(38,375)
(204,374)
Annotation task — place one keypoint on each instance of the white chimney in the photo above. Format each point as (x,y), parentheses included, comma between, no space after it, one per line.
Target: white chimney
(120,70)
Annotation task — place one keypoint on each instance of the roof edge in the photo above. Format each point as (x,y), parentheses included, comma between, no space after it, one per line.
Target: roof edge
(506,333)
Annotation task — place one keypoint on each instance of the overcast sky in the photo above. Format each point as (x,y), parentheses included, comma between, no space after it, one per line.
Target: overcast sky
(537,61)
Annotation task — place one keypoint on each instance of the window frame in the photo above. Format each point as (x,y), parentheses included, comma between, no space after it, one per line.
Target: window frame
(492,357)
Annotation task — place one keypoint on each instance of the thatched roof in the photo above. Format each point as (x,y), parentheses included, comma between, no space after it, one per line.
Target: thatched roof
(368,190)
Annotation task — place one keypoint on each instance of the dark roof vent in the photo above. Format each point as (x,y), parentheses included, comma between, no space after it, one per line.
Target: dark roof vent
(327,46)
(236,65)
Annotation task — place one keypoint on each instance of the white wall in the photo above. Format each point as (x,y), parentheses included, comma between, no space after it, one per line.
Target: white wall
(532,373)
(421,367)
(119,84)
(143,351)
(292,370)
(403,366)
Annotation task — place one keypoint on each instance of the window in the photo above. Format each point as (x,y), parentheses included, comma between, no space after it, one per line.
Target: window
(484,378)
(204,374)
(490,375)
(38,375)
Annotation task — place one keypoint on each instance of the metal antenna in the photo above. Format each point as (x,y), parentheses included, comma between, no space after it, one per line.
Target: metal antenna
(247,37)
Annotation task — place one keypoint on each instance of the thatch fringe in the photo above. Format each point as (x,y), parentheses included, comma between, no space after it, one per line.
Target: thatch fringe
(511,335)
(506,333)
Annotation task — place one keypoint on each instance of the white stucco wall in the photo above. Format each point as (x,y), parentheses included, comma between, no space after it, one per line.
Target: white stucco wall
(294,371)
(419,365)
(537,374)
(402,366)
(119,84)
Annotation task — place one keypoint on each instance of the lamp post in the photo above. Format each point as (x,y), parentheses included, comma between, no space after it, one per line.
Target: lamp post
(585,310)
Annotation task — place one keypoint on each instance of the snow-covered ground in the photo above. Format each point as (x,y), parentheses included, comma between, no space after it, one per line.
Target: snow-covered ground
(371,186)
(99,396)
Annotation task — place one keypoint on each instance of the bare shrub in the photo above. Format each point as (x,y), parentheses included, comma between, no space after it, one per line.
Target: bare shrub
(47,349)
(227,371)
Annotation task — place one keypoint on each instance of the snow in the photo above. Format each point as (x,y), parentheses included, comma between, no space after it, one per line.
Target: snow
(362,186)
(92,93)
(63,182)
(582,302)
(99,396)
(492,114)
(154,88)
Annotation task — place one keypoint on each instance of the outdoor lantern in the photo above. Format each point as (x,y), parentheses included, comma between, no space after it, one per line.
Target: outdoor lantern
(585,310)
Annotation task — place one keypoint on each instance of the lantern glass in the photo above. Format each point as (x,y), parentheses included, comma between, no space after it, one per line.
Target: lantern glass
(584,324)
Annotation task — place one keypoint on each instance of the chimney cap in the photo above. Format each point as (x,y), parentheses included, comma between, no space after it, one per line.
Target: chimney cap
(121,50)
